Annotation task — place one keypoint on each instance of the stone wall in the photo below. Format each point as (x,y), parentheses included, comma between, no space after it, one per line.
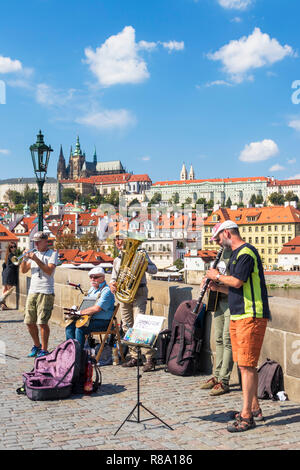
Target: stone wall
(282,340)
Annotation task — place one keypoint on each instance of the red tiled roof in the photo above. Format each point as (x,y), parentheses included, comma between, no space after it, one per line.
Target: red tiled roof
(214,180)
(262,215)
(6,235)
(284,182)
(109,179)
(80,257)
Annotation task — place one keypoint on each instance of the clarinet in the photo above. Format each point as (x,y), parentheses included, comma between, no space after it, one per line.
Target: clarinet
(204,288)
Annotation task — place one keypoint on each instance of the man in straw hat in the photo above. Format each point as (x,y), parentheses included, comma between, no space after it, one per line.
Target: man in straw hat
(249,310)
(128,311)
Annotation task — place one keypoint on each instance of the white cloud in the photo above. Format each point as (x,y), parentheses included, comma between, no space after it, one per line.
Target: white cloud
(48,96)
(108,119)
(295,177)
(7,65)
(117,60)
(173,45)
(257,50)
(218,83)
(4,151)
(295,124)
(259,151)
(276,167)
(147,46)
(292,161)
(146,159)
(235,4)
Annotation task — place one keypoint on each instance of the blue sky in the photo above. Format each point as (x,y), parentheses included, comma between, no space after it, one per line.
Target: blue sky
(153,84)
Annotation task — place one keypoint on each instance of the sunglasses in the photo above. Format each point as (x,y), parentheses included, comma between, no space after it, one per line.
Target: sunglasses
(96,277)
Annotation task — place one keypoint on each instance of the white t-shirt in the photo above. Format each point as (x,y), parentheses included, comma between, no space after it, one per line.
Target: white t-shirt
(42,283)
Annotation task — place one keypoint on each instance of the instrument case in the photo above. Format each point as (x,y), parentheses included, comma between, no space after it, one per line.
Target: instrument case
(55,374)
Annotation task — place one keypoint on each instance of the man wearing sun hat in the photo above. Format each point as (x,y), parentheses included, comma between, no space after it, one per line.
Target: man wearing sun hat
(219,383)
(101,312)
(249,310)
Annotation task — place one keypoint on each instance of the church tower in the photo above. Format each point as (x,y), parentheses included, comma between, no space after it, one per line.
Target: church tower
(61,166)
(183,174)
(77,160)
(191,173)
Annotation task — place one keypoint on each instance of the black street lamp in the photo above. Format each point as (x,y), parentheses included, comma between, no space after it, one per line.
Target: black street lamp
(40,154)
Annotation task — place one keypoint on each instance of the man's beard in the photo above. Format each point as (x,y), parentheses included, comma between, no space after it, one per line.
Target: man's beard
(226,243)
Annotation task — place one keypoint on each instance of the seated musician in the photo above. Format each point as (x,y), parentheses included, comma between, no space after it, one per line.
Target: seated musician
(101,312)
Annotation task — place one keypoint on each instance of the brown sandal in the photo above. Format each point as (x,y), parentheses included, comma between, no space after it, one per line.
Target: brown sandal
(241,425)
(256,414)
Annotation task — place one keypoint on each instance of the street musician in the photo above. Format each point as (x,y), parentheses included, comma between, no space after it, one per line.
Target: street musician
(100,313)
(138,305)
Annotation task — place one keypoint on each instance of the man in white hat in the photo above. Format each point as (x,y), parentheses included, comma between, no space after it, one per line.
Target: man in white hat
(39,303)
(101,312)
(219,383)
(249,313)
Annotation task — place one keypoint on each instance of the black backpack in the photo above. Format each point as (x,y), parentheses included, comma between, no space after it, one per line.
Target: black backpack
(161,346)
(183,354)
(270,380)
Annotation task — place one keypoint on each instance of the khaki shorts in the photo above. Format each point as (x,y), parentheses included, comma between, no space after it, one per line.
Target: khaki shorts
(38,308)
(247,337)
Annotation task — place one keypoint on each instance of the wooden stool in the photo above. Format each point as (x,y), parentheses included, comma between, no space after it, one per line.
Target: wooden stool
(112,329)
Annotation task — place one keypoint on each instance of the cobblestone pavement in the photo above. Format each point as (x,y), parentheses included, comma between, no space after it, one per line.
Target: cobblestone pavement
(89,422)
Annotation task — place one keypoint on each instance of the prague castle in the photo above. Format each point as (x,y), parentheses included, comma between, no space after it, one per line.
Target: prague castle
(78,167)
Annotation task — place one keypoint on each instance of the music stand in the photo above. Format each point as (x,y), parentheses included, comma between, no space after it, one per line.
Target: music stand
(139,404)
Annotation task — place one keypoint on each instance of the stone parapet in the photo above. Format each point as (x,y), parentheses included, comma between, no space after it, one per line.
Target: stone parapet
(281,343)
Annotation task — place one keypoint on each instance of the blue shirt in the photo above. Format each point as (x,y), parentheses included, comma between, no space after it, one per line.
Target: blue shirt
(106,301)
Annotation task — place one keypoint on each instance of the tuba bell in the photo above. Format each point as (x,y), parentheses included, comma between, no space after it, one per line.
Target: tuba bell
(132,268)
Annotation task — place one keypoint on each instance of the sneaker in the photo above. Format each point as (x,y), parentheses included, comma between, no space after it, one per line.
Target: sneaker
(209,384)
(219,389)
(42,353)
(34,351)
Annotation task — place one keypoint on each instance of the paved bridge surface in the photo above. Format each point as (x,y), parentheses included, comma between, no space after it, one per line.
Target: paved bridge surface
(89,422)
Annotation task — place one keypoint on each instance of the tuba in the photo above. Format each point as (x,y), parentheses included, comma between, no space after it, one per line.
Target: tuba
(132,268)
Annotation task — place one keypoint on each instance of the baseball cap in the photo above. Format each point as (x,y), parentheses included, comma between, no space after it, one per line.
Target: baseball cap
(97,271)
(40,236)
(222,226)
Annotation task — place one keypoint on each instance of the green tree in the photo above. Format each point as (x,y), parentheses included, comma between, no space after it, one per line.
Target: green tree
(30,195)
(290,196)
(69,195)
(228,203)
(276,199)
(156,198)
(253,200)
(14,196)
(179,264)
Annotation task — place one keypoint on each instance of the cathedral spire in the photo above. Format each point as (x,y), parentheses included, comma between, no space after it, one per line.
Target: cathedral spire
(95,157)
(191,173)
(183,173)
(61,165)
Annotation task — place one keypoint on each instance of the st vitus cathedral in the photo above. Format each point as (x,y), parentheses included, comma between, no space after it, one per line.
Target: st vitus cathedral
(78,167)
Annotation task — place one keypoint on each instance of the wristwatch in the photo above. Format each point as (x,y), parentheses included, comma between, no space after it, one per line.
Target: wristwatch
(218,277)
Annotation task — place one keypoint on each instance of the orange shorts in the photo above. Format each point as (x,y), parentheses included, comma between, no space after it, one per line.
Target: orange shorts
(247,337)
